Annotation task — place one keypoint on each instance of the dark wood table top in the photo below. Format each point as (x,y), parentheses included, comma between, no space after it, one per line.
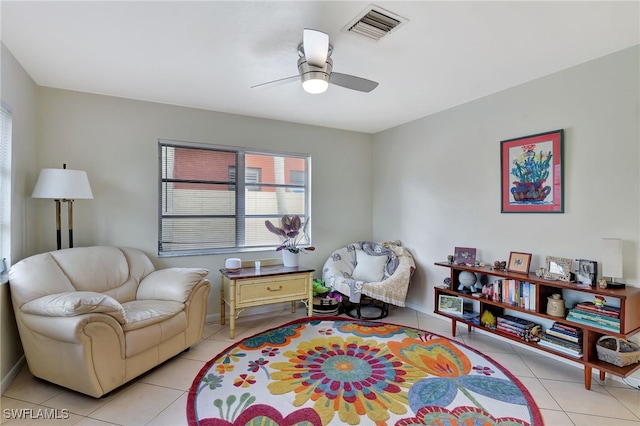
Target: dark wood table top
(264,271)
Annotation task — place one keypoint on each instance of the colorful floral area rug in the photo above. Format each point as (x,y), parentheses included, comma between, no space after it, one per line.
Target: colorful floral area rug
(337,371)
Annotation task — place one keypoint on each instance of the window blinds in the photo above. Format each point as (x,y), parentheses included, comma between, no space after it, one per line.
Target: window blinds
(215,199)
(5,191)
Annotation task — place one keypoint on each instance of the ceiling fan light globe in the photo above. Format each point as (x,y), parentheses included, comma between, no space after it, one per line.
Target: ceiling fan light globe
(315,85)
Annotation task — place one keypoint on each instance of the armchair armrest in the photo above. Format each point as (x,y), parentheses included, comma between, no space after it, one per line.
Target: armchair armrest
(70,329)
(170,284)
(74,303)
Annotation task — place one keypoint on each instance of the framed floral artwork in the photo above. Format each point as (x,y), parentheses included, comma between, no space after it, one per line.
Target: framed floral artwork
(531,170)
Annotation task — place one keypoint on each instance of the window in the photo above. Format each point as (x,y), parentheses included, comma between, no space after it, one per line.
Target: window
(5,191)
(251,175)
(215,199)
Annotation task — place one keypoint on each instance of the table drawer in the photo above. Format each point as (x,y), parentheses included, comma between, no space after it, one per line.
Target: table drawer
(274,288)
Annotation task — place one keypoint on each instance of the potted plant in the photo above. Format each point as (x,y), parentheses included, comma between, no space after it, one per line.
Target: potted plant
(292,232)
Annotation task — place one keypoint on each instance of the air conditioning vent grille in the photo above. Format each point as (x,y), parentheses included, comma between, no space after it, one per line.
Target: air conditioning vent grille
(374,23)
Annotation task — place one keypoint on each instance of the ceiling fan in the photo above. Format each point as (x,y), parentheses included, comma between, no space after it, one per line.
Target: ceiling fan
(315,67)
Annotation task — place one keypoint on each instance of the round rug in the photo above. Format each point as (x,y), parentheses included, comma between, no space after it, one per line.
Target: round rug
(336,371)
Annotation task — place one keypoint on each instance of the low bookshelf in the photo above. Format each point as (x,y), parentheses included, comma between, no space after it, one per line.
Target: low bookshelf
(625,300)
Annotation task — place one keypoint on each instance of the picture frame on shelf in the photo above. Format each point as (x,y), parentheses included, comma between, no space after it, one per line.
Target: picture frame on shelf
(532,173)
(587,272)
(464,256)
(453,305)
(559,268)
(519,262)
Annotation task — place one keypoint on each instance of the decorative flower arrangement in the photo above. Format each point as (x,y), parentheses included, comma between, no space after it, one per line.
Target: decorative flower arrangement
(291,233)
(531,170)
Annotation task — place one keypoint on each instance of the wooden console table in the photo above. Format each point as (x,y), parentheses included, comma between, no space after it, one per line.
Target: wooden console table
(272,283)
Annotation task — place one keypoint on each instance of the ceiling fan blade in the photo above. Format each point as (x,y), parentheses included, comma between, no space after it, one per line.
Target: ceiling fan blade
(277,82)
(352,82)
(316,47)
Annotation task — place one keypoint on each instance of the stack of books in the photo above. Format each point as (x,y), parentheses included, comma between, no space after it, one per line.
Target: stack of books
(563,338)
(515,326)
(605,317)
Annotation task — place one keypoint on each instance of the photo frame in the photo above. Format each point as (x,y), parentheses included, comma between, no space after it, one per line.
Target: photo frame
(519,262)
(464,256)
(531,173)
(559,268)
(587,272)
(450,304)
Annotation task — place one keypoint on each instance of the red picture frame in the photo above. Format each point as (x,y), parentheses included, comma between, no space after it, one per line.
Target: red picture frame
(531,173)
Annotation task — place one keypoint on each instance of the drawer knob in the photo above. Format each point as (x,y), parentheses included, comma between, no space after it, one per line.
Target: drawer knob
(274,289)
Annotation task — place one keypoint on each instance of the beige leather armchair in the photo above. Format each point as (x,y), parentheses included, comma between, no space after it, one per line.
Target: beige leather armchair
(93,318)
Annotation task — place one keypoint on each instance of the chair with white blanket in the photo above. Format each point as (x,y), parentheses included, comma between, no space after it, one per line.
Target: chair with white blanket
(371,276)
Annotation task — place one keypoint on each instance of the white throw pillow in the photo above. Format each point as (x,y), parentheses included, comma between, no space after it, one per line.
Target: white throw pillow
(369,268)
(75,303)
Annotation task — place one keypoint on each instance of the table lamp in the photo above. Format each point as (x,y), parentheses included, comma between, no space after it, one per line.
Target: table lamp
(63,185)
(612,261)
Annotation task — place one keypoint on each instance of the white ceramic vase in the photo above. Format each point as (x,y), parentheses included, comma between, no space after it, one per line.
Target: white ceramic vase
(290,260)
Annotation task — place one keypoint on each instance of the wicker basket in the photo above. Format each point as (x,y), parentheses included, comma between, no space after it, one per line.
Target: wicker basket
(617,351)
(325,306)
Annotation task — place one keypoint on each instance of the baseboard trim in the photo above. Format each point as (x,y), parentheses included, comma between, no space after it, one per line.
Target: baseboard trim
(15,370)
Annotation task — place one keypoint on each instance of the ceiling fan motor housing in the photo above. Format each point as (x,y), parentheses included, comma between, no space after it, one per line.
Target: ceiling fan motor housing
(311,72)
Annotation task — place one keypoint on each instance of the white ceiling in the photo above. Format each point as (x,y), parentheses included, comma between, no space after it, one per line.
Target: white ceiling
(207,54)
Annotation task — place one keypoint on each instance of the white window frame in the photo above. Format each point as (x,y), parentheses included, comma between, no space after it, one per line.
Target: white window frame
(5,190)
(240,209)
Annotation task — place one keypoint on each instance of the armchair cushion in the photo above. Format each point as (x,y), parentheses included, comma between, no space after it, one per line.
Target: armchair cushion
(170,284)
(70,304)
(142,313)
(369,268)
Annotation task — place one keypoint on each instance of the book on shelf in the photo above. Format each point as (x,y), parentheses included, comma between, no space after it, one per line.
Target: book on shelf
(609,311)
(562,335)
(560,342)
(497,290)
(594,317)
(515,293)
(517,322)
(526,295)
(532,296)
(567,328)
(596,324)
(510,329)
(558,348)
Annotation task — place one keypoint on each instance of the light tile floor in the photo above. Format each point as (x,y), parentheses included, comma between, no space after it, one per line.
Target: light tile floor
(159,397)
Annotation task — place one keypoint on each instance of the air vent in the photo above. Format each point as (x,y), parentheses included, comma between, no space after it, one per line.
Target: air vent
(374,23)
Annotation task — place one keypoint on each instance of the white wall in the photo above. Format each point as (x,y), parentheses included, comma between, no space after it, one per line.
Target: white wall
(19,92)
(437,179)
(115,141)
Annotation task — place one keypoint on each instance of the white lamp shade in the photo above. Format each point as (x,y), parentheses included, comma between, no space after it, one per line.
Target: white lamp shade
(612,257)
(59,184)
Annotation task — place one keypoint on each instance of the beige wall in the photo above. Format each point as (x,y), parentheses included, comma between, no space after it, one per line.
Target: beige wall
(19,92)
(115,141)
(437,179)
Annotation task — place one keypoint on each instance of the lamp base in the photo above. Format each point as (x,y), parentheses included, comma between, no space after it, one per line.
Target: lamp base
(613,284)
